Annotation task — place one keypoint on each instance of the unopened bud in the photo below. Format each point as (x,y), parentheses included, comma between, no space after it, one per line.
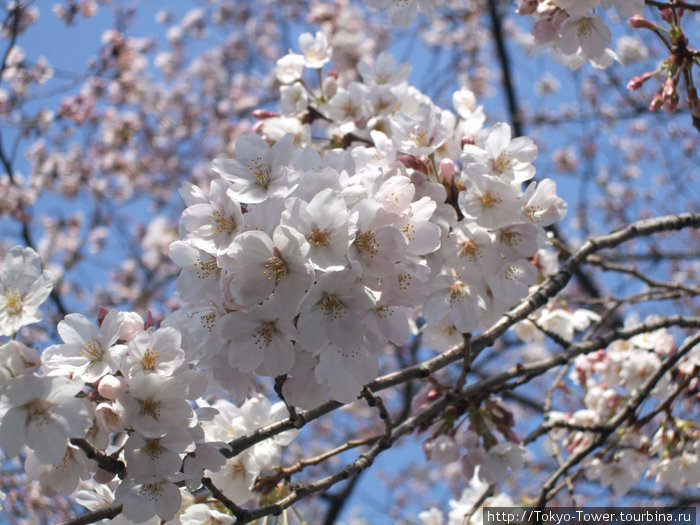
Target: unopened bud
(111,387)
(637,81)
(668,15)
(469,139)
(638,21)
(526,7)
(446,171)
(262,114)
(671,102)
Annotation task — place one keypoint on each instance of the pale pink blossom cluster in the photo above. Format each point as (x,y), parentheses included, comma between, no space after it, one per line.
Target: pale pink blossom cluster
(125,388)
(297,245)
(608,378)
(471,503)
(573,30)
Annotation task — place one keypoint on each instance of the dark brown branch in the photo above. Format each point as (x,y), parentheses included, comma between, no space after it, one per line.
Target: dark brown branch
(621,417)
(103,461)
(551,287)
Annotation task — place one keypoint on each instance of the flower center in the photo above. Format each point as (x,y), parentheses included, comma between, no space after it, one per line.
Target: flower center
(319,237)
(205,269)
(458,292)
(220,223)
(153,449)
(367,242)
(13,301)
(40,412)
(469,249)
(331,307)
(150,407)
(275,267)
(503,162)
(260,171)
(419,136)
(489,199)
(150,358)
(92,350)
(263,335)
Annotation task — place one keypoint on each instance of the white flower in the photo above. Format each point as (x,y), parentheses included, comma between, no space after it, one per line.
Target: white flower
(490,202)
(302,389)
(464,101)
(626,8)
(315,49)
(332,310)
(377,246)
(258,171)
(202,514)
(345,371)
(403,13)
(463,303)
(23,287)
(158,457)
(510,284)
(384,72)
(143,501)
(289,68)
(541,204)
(589,33)
(44,414)
(432,516)
(89,352)
(259,338)
(325,223)
(476,254)
(499,156)
(625,469)
(63,477)
(155,404)
(263,266)
(419,134)
(441,335)
(157,351)
(200,274)
(16,358)
(499,459)
(235,479)
(213,224)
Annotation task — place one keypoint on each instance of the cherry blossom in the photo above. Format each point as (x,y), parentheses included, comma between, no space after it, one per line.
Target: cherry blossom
(23,287)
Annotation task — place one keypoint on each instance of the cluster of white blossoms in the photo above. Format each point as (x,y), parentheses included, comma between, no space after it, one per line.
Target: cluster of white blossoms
(573,30)
(307,260)
(124,388)
(302,261)
(608,378)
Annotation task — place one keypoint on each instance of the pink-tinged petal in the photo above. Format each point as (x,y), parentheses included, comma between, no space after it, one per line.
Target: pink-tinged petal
(13,432)
(168,501)
(47,440)
(498,140)
(77,329)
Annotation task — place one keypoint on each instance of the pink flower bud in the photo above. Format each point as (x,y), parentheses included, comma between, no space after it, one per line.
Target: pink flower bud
(638,21)
(132,324)
(262,114)
(656,102)
(111,387)
(637,81)
(526,7)
(447,171)
(469,139)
